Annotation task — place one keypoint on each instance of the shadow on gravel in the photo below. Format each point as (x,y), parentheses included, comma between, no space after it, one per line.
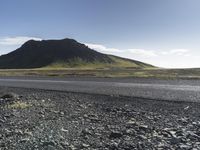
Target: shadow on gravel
(8,98)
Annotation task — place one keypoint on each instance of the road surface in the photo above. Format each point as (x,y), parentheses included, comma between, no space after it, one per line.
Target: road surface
(172,90)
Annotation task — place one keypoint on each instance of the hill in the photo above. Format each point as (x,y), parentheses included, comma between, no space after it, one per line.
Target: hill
(66,53)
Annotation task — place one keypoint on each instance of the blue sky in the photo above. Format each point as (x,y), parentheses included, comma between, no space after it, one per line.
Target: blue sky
(163,33)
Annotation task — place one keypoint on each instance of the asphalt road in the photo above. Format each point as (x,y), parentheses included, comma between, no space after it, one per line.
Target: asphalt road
(172,90)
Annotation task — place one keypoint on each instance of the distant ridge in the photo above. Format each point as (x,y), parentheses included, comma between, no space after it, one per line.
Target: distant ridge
(64,53)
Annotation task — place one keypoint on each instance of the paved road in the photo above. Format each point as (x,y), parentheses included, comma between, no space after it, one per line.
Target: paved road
(173,90)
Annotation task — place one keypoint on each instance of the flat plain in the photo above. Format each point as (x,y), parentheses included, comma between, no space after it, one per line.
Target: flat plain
(105,72)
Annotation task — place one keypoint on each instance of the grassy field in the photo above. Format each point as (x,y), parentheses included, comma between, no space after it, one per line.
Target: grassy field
(143,73)
(118,62)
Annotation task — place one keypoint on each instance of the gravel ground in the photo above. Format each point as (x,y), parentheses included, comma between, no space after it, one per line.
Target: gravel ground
(40,119)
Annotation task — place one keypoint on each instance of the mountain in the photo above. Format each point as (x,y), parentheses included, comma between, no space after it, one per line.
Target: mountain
(64,53)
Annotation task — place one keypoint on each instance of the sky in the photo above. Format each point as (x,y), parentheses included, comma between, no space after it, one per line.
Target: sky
(165,33)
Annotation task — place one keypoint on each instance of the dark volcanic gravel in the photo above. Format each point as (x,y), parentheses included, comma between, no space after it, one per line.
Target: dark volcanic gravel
(39,119)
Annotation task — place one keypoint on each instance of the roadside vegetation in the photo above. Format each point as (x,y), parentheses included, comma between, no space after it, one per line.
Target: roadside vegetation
(18,105)
(105,72)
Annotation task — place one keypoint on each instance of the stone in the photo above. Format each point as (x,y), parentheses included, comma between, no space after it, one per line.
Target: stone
(86,132)
(85,145)
(64,144)
(115,134)
(143,127)
(47,143)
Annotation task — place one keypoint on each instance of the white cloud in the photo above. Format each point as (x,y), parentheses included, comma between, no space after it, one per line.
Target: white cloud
(176,52)
(138,52)
(172,58)
(143,52)
(102,48)
(179,50)
(9,41)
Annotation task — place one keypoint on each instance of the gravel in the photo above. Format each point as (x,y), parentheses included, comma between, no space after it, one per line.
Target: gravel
(41,119)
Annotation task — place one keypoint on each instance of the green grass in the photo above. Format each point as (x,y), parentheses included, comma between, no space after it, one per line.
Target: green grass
(119,68)
(105,72)
(19,105)
(81,64)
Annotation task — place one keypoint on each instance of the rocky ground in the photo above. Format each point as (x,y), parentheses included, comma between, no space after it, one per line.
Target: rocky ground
(39,119)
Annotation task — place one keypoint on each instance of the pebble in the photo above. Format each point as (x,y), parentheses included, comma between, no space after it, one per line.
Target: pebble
(115,134)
